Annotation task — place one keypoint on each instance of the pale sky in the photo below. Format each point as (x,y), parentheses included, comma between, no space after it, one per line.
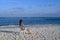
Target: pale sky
(29,8)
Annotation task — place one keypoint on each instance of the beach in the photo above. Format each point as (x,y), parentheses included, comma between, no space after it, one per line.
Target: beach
(41,32)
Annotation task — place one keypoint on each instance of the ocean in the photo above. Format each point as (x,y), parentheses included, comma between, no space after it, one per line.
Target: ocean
(29,20)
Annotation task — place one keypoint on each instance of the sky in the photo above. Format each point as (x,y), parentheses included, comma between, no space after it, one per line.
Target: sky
(29,8)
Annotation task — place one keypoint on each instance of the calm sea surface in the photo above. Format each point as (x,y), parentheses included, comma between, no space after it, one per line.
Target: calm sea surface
(29,20)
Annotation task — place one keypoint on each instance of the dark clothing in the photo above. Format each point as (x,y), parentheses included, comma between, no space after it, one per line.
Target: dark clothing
(21,24)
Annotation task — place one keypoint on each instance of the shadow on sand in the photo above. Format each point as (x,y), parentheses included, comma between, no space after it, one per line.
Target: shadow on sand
(4,31)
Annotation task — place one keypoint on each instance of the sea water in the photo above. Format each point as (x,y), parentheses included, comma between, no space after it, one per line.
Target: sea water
(29,20)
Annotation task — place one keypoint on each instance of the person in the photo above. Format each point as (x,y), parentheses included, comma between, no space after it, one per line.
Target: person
(21,24)
(23,27)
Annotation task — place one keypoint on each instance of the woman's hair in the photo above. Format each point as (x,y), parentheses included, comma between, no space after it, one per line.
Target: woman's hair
(20,21)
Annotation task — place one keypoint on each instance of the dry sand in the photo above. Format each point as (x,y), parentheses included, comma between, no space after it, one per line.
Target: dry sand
(42,32)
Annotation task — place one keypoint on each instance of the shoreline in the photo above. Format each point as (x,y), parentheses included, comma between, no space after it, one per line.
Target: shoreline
(31,25)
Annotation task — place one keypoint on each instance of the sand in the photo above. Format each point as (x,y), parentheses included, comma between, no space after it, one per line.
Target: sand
(42,32)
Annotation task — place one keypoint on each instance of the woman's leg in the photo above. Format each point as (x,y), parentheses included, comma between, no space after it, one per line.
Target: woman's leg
(30,32)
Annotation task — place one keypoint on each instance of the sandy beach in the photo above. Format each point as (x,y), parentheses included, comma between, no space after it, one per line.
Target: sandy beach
(42,32)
